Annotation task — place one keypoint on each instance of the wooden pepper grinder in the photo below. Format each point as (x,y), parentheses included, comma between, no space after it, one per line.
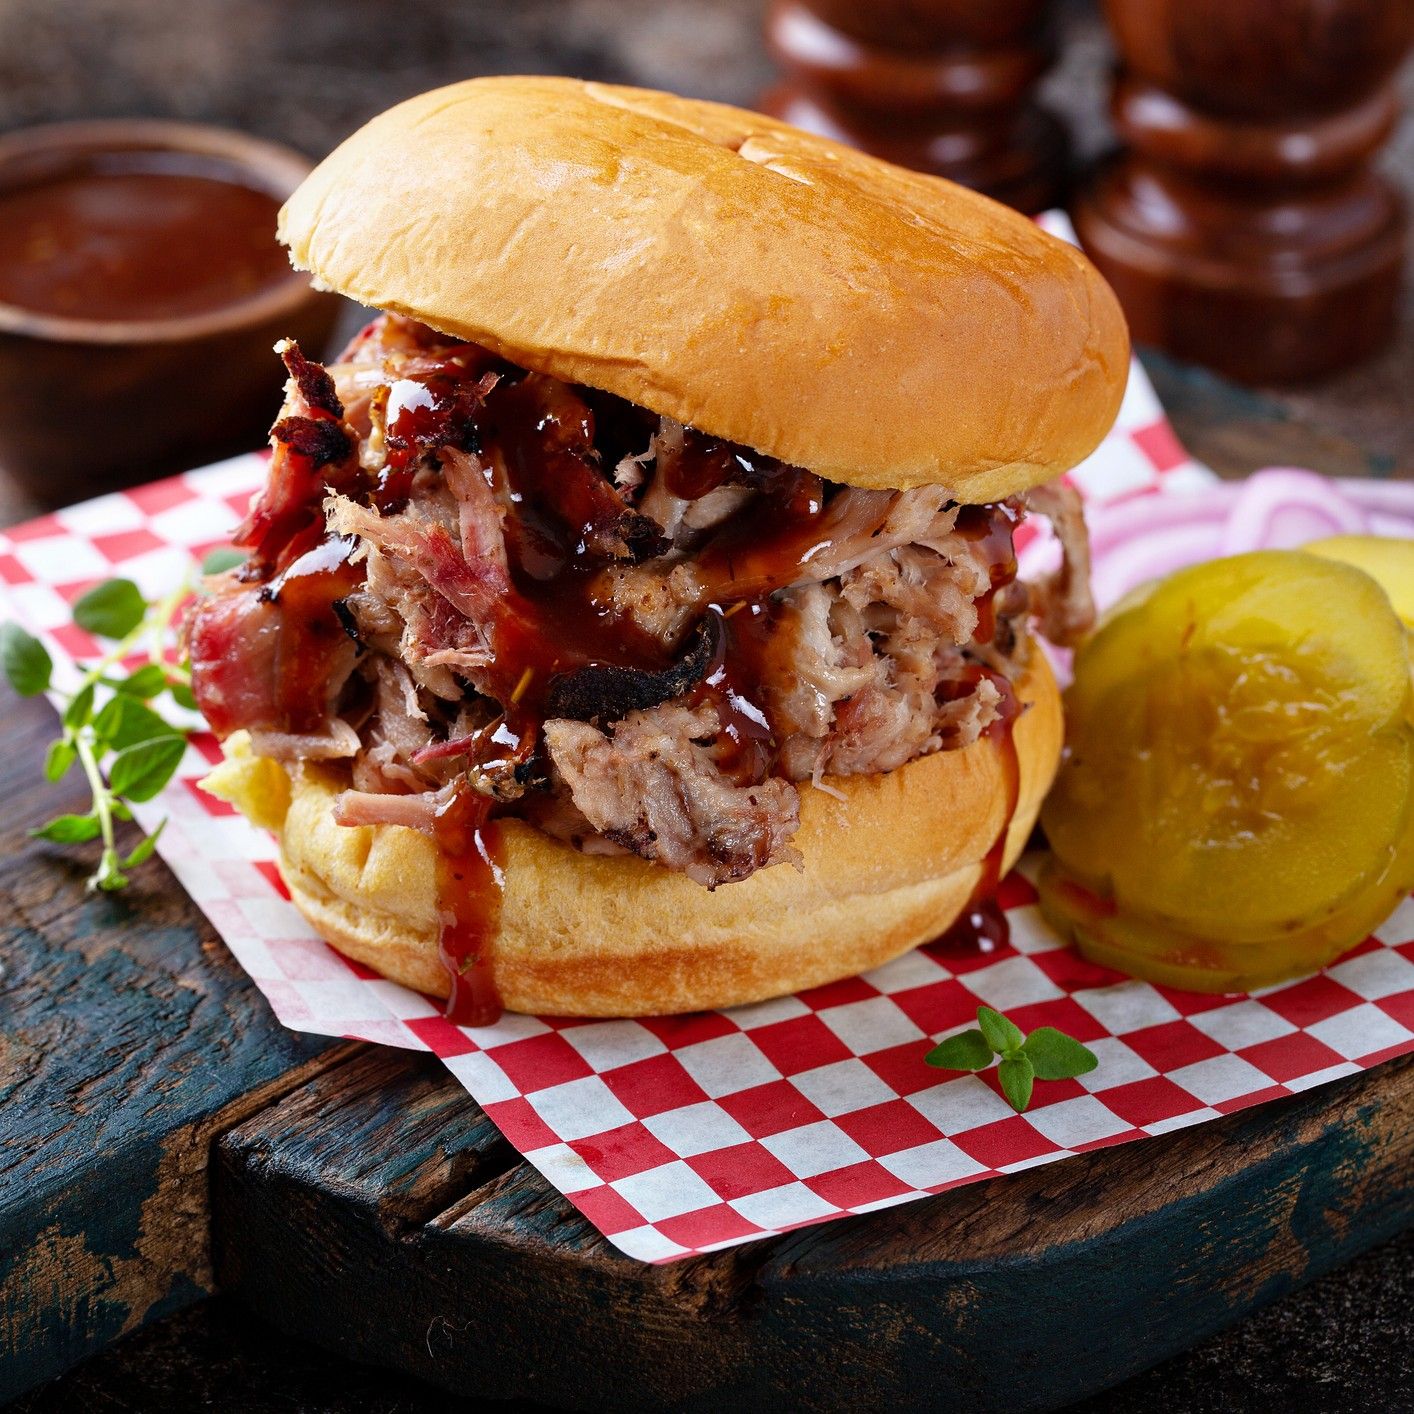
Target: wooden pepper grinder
(1243,225)
(940,85)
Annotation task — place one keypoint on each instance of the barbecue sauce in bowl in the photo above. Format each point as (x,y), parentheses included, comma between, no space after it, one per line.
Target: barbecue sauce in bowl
(141,287)
(137,236)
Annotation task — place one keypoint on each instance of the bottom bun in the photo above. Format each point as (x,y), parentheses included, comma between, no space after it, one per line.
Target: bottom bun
(888,866)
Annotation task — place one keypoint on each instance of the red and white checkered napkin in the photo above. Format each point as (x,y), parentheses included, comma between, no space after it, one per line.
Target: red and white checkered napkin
(689,1133)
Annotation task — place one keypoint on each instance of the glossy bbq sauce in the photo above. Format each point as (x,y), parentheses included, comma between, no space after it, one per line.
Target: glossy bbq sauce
(313,637)
(133,236)
(539,441)
(980,928)
(731,685)
(470,884)
(992,527)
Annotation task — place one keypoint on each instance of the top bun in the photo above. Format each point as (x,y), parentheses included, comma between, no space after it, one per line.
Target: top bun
(877,326)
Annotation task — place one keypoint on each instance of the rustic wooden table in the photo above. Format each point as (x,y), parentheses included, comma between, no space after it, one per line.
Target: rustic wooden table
(165,1137)
(122,1012)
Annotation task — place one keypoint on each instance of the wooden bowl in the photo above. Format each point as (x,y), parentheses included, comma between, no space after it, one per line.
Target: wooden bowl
(87,406)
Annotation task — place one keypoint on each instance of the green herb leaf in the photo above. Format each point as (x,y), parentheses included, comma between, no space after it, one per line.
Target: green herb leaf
(968,1050)
(69,829)
(112,609)
(182,696)
(1017,1076)
(1047,1054)
(146,682)
(141,749)
(57,760)
(25,659)
(124,722)
(79,710)
(143,850)
(1003,1036)
(140,771)
(220,560)
(1056,1056)
(109,875)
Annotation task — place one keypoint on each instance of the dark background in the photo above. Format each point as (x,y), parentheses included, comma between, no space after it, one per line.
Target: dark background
(306,72)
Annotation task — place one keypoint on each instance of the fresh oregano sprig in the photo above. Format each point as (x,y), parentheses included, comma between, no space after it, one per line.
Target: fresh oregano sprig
(127,750)
(1046,1054)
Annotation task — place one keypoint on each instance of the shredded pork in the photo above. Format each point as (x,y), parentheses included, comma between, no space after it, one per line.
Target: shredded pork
(878,624)
(1064,605)
(652,785)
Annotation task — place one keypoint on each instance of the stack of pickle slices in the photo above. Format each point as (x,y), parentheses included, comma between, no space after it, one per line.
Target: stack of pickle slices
(1236,802)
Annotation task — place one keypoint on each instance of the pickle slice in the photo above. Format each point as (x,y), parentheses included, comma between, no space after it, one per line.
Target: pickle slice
(1144,948)
(1239,757)
(1389,562)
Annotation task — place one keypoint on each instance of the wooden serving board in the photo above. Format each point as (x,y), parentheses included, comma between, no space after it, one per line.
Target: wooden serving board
(163,1135)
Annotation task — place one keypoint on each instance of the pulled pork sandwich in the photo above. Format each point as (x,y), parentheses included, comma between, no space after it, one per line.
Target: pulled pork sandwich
(630,622)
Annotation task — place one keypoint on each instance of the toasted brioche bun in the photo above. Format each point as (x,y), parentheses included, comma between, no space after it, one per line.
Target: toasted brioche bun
(889,866)
(877,326)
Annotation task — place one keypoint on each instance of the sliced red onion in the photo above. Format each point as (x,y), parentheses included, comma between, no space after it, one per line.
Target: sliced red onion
(1150,535)
(1147,536)
(1282,508)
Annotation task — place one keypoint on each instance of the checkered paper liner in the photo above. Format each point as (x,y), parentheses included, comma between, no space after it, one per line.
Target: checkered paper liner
(684,1134)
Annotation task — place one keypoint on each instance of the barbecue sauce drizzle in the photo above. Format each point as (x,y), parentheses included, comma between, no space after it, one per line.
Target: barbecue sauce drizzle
(982,925)
(992,527)
(470,885)
(536,438)
(308,593)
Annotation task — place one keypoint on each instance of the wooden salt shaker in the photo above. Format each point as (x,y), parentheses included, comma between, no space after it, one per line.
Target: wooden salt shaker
(1243,225)
(944,86)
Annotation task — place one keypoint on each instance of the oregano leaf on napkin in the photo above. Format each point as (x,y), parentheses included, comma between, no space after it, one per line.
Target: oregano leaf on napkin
(146,682)
(139,772)
(1017,1075)
(125,722)
(1056,1056)
(968,1050)
(1046,1054)
(1003,1036)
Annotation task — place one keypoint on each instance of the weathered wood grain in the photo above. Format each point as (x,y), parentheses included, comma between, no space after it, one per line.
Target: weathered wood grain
(373,1213)
(128,1038)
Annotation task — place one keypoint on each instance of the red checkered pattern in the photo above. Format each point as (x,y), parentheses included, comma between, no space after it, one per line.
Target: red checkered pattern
(684,1134)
